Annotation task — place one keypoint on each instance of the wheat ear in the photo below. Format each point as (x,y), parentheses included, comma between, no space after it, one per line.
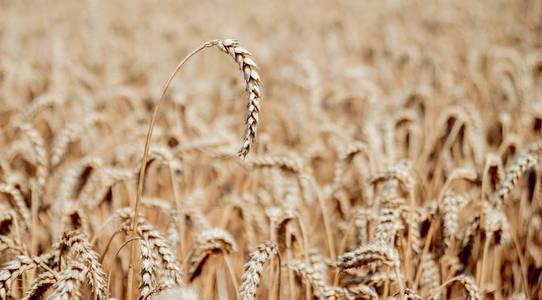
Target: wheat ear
(40,155)
(69,282)
(512,175)
(467,282)
(362,291)
(44,281)
(168,267)
(81,247)
(253,82)
(367,254)
(214,240)
(7,243)
(184,293)
(11,270)
(409,294)
(254,268)
(306,272)
(18,202)
(147,270)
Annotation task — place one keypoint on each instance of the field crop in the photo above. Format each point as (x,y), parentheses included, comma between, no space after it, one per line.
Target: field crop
(300,150)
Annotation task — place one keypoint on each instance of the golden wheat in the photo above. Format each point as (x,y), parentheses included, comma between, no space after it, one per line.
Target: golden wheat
(397,156)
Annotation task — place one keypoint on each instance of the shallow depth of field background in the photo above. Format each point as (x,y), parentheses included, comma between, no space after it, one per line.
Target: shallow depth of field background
(410,127)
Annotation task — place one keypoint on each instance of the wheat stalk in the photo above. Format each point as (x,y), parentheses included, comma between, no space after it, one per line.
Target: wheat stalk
(252,79)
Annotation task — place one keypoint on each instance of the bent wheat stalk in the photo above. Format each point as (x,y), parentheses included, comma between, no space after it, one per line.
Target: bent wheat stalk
(252,79)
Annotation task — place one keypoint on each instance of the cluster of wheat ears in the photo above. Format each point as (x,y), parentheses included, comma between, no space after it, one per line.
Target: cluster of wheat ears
(406,165)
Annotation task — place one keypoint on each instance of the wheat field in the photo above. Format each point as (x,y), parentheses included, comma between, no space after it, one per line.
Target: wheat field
(301,150)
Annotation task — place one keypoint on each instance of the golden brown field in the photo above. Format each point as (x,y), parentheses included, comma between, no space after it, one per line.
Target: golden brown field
(314,150)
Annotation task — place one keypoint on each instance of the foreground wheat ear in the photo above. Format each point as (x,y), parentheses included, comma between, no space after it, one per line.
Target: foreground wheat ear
(252,80)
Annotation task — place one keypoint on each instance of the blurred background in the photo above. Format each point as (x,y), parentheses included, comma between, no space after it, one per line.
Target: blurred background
(99,48)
